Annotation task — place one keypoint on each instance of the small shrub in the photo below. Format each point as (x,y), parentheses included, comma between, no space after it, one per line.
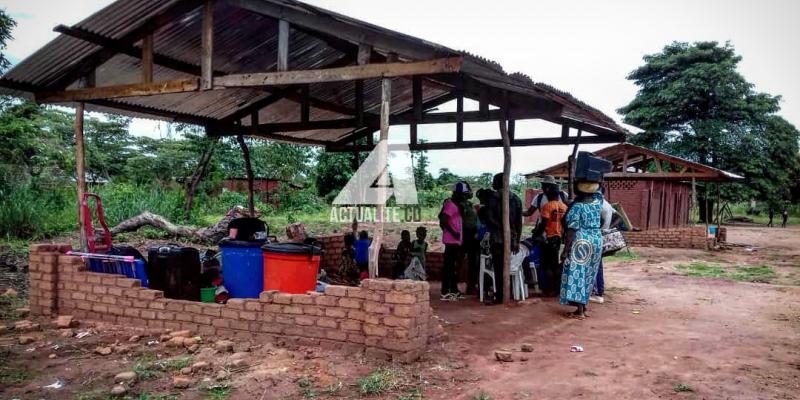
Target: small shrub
(682,387)
(481,396)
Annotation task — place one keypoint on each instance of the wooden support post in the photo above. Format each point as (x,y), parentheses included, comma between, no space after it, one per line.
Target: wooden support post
(147,59)
(248,168)
(80,172)
(512,129)
(207,47)
(460,118)
(283,45)
(383,157)
(416,89)
(624,162)
(571,165)
(506,196)
(305,109)
(693,200)
(564,131)
(483,105)
(364,54)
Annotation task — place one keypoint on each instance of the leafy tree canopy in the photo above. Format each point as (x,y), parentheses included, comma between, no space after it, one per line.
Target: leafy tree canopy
(693,103)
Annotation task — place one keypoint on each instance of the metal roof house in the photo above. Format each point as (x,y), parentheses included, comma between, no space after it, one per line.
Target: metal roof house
(654,188)
(288,71)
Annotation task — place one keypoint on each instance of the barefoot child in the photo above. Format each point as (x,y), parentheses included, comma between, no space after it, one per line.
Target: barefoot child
(402,256)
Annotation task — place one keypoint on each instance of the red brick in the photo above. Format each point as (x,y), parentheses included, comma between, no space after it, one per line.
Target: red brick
(376,308)
(148,314)
(336,335)
(400,298)
(184,317)
(128,282)
(132,312)
(327,322)
(397,322)
(174,305)
(328,301)
(193,308)
(302,299)
(202,319)
(150,294)
(375,330)
(253,306)
(335,313)
(333,290)
(292,310)
(379,284)
(247,315)
(271,328)
(282,298)
(236,304)
(356,292)
(313,310)
(213,310)
(347,302)
(165,315)
(350,325)
(304,320)
(221,323)
(267,296)
(232,314)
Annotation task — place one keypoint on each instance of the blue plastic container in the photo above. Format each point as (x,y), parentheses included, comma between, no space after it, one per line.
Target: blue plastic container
(242,268)
(135,270)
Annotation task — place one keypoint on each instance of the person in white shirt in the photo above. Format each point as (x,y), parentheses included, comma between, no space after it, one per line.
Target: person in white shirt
(606,215)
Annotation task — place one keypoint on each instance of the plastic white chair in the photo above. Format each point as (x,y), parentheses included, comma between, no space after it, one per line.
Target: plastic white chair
(519,289)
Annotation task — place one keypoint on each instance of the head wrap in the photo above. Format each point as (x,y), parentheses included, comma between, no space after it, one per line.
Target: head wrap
(588,187)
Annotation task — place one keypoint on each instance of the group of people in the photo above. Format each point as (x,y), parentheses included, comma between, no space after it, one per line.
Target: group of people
(574,273)
(784,217)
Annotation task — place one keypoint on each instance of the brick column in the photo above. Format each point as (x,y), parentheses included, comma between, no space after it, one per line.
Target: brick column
(43,273)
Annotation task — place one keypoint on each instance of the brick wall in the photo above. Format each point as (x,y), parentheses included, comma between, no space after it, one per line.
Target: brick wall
(386,318)
(688,237)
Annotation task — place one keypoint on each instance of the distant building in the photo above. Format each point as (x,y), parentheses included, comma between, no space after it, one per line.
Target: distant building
(654,188)
(264,188)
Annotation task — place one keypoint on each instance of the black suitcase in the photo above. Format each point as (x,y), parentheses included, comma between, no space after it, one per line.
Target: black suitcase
(175,270)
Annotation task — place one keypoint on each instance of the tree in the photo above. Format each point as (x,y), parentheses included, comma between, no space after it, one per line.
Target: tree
(422,177)
(6,25)
(693,103)
(332,171)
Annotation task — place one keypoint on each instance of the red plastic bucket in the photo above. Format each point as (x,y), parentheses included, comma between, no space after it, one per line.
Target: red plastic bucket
(291,267)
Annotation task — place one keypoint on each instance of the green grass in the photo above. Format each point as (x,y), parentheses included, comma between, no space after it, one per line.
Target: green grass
(146,368)
(743,273)
(13,376)
(682,387)
(622,255)
(218,392)
(307,389)
(380,381)
(176,364)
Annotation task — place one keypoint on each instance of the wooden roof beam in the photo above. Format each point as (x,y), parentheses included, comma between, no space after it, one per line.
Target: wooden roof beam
(471,144)
(341,74)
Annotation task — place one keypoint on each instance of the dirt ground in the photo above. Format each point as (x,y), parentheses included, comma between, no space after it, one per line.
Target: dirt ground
(660,334)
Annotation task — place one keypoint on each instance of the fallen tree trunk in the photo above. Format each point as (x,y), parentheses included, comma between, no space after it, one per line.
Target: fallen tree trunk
(209,234)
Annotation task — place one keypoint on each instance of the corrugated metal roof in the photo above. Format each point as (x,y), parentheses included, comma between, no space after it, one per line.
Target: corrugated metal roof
(245,41)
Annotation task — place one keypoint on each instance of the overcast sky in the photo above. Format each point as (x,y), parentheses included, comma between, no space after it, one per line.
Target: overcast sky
(586,47)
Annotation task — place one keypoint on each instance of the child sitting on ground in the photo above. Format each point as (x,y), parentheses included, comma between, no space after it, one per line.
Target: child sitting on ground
(416,268)
(402,255)
(361,247)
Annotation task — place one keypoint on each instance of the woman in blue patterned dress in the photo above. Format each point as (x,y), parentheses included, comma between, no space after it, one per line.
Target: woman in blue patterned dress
(583,247)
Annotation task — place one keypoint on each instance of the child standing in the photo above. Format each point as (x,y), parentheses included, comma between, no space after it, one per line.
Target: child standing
(402,255)
(361,247)
(416,269)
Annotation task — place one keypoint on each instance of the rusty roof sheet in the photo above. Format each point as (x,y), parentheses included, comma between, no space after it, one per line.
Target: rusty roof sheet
(245,41)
